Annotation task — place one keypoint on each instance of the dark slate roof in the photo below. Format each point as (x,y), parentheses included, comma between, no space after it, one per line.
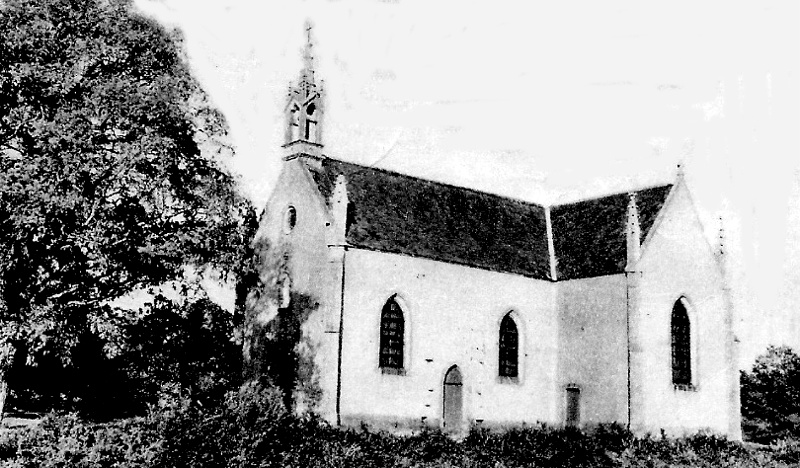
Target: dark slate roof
(589,235)
(398,213)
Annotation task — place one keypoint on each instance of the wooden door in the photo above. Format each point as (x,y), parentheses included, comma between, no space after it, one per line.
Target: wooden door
(453,400)
(573,406)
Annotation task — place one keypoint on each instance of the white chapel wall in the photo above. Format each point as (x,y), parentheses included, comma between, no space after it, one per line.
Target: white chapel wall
(593,348)
(453,316)
(679,262)
(315,275)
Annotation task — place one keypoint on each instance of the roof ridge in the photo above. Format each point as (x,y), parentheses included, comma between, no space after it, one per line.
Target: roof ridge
(497,195)
(445,184)
(613,194)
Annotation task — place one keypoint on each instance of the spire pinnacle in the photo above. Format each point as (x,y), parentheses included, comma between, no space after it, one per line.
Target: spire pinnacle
(633,233)
(308,55)
(304,106)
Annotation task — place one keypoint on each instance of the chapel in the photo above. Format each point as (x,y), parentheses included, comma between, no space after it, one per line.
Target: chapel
(414,303)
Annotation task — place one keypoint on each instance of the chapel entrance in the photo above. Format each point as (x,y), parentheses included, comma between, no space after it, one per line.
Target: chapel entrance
(453,400)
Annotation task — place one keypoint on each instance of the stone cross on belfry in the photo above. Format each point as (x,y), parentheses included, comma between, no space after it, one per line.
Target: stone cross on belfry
(308,57)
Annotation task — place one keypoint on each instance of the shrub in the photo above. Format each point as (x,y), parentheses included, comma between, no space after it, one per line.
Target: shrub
(185,350)
(66,440)
(771,397)
(251,428)
(189,346)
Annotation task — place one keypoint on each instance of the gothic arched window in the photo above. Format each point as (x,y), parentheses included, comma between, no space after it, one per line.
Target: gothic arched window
(392,336)
(681,345)
(509,348)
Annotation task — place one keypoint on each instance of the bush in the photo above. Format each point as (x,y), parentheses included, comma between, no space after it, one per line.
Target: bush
(253,428)
(172,351)
(66,440)
(189,347)
(771,397)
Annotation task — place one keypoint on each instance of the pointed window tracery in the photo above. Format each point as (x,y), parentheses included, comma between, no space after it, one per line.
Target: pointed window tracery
(392,336)
(681,345)
(509,348)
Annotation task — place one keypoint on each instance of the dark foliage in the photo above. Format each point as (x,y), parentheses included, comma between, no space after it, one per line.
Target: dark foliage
(252,428)
(188,348)
(89,383)
(67,440)
(172,351)
(771,397)
(273,356)
(111,176)
(274,350)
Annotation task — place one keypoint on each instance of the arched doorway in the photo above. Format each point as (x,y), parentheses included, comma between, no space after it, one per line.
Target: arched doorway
(452,400)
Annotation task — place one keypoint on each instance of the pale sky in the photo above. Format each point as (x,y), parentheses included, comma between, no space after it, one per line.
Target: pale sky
(541,101)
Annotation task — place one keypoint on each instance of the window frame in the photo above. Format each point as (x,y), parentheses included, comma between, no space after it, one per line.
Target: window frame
(508,319)
(688,350)
(383,365)
(289,219)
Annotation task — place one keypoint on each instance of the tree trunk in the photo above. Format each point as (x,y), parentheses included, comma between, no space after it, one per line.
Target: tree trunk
(7,351)
(3,394)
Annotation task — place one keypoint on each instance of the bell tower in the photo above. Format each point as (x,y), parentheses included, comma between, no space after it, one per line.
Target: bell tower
(304,109)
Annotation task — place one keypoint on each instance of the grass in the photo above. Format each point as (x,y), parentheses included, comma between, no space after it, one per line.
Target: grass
(195,439)
(252,429)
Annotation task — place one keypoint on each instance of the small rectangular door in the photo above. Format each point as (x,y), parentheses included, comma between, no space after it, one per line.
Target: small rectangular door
(573,406)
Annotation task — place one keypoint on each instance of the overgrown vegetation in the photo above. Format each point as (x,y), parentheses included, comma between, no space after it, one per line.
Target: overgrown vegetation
(771,397)
(168,350)
(189,425)
(253,428)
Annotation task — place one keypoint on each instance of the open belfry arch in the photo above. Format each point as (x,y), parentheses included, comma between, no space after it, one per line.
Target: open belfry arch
(417,303)
(304,106)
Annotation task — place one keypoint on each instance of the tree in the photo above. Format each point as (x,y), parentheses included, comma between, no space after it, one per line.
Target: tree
(186,346)
(771,396)
(112,173)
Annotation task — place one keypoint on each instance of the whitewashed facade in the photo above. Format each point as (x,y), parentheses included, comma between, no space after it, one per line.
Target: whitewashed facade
(406,285)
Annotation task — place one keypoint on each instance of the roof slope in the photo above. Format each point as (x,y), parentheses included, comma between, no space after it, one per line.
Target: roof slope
(589,235)
(402,214)
(392,212)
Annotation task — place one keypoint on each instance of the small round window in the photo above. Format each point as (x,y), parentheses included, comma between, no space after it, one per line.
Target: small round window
(290,220)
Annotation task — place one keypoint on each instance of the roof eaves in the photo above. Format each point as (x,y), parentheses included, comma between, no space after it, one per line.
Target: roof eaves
(359,246)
